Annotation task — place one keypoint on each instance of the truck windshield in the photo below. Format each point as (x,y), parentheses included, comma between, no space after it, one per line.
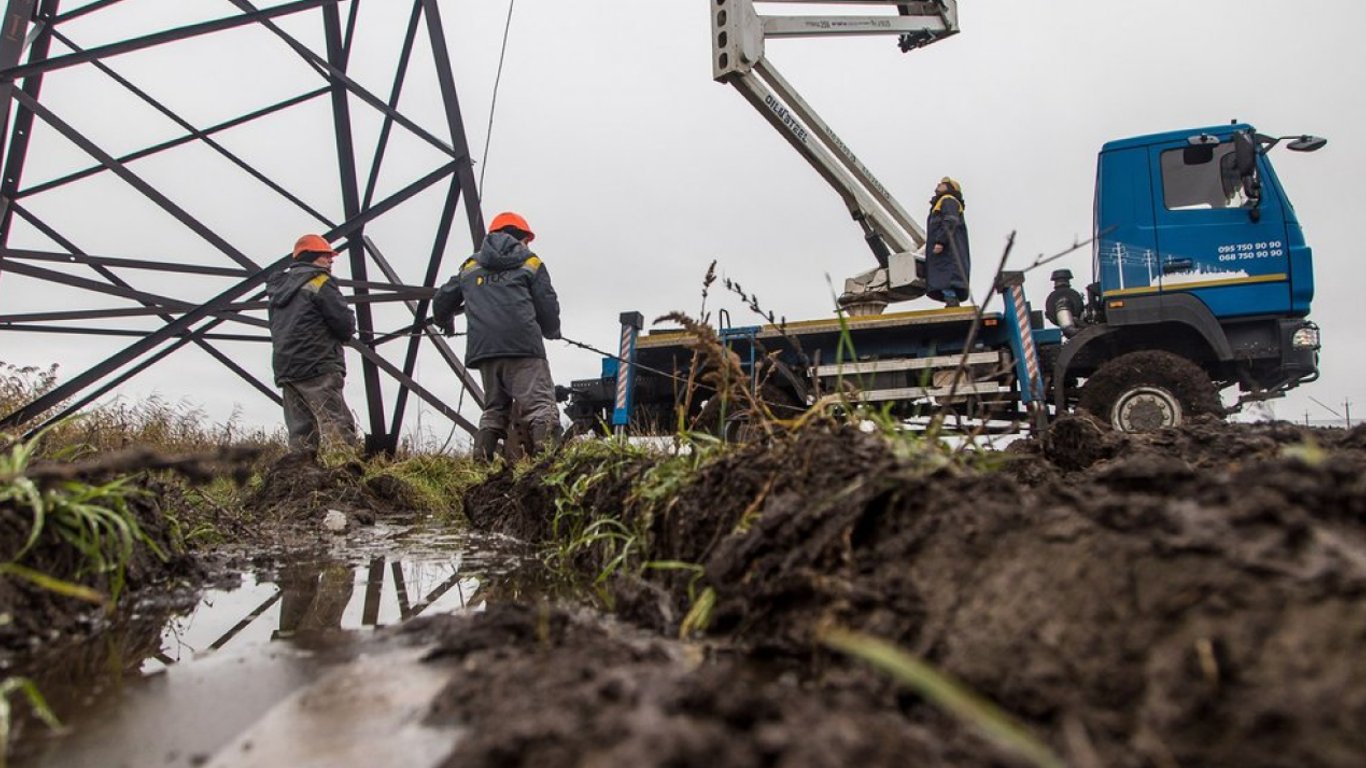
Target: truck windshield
(1192,180)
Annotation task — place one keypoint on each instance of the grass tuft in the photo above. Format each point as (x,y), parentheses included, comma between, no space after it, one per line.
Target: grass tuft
(94,520)
(24,687)
(953,697)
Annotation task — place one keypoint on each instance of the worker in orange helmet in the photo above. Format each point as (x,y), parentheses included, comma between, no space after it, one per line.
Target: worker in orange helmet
(510,305)
(309,322)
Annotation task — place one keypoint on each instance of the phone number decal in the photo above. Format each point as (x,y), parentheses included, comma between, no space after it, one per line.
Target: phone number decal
(1273,249)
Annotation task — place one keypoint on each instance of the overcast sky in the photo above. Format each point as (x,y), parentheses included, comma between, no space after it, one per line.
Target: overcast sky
(636,170)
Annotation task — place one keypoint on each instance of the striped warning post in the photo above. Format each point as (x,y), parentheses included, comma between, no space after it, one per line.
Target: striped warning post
(1027,348)
(623,370)
(631,323)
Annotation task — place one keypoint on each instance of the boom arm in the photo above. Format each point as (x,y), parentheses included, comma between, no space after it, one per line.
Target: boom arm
(738,35)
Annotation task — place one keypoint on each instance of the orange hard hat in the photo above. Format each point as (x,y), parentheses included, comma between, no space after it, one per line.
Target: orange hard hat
(312,244)
(510,219)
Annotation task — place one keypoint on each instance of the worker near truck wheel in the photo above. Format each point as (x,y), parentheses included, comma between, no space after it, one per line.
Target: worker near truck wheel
(947,258)
(309,322)
(510,306)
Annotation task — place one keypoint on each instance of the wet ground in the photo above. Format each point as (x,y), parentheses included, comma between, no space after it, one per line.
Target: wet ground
(182,677)
(1195,597)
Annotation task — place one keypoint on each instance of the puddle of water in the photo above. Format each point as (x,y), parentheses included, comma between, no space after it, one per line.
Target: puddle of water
(172,691)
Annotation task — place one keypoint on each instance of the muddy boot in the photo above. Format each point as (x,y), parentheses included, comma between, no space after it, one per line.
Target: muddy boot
(544,436)
(486,444)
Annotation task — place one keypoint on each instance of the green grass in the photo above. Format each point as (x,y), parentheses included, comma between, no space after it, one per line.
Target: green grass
(438,481)
(25,688)
(984,717)
(92,520)
(615,539)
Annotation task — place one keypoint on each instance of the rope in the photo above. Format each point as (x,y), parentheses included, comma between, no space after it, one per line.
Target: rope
(493,106)
(620,359)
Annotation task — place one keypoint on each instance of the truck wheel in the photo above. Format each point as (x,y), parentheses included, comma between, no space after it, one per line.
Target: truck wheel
(738,427)
(1146,391)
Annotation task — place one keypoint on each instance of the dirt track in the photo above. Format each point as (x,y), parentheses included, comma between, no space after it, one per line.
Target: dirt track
(1190,598)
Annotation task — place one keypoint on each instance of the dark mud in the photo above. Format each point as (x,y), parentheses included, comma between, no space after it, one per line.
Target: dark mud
(541,686)
(293,490)
(1191,597)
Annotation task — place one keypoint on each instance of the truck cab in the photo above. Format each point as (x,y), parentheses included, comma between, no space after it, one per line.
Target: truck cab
(1200,262)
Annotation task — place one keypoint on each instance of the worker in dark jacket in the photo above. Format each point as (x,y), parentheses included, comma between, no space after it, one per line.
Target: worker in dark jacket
(309,321)
(947,258)
(510,305)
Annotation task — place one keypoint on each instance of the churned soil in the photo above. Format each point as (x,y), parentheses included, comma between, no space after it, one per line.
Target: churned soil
(543,686)
(297,490)
(1189,597)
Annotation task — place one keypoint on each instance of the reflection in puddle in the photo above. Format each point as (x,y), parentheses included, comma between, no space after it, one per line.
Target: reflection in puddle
(239,651)
(308,599)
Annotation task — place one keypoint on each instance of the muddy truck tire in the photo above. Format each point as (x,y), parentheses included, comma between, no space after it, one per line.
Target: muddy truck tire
(739,424)
(1146,391)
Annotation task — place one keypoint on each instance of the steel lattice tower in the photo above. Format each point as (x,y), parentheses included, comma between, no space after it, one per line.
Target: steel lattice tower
(222,284)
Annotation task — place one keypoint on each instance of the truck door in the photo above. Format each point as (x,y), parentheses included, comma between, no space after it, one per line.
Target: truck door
(1213,241)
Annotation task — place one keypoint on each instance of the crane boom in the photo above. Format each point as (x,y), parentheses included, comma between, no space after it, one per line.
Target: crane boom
(738,43)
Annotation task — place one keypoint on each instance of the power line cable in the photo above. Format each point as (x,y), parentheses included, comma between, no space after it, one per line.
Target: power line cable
(493,106)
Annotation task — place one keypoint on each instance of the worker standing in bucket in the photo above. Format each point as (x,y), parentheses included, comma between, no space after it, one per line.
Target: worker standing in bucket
(510,305)
(947,258)
(309,322)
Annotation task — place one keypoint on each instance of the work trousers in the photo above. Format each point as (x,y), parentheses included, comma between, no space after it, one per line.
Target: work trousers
(524,380)
(315,408)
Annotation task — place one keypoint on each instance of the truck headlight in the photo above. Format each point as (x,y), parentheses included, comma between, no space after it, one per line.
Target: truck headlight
(1305,338)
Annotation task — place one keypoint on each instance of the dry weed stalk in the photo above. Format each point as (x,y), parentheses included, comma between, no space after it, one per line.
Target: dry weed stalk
(691,384)
(779,323)
(721,369)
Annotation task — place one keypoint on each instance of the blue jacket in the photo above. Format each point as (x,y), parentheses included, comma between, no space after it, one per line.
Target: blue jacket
(508,301)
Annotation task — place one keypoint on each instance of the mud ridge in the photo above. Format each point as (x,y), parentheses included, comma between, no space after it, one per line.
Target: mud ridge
(1192,597)
(297,491)
(604,695)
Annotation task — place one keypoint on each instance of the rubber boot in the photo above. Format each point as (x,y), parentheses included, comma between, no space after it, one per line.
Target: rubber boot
(544,435)
(486,444)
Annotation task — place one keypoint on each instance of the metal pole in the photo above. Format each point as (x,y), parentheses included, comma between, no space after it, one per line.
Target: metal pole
(350,188)
(23,120)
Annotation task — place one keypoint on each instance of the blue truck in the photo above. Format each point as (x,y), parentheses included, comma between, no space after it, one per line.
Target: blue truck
(1202,281)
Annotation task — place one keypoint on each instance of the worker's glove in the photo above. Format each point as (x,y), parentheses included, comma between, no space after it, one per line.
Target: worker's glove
(553,335)
(446,325)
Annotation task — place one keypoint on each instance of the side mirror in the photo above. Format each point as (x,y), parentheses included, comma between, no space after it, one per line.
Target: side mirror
(1307,144)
